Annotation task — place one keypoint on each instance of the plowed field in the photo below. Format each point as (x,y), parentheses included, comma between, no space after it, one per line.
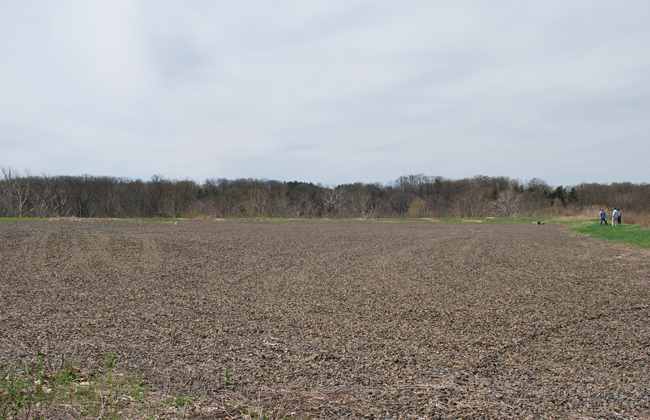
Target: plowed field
(341,319)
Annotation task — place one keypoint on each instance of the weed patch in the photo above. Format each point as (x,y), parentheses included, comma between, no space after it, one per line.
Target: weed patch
(37,390)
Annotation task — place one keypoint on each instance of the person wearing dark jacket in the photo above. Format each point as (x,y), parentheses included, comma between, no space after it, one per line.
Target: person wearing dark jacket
(603,217)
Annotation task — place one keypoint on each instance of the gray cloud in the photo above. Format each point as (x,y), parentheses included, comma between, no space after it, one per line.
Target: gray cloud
(327,91)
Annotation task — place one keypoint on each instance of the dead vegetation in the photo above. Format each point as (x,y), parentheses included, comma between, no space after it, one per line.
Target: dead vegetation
(334,320)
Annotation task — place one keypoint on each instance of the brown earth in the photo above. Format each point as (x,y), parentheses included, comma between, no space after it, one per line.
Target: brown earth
(340,319)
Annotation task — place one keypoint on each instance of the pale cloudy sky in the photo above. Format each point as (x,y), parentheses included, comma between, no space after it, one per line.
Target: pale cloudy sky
(327,91)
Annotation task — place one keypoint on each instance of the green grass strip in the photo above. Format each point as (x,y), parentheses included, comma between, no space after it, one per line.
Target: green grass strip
(523,220)
(280,219)
(148,219)
(23,219)
(512,219)
(634,235)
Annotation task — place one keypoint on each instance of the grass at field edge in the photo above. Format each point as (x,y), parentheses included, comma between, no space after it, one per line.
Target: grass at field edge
(23,219)
(634,235)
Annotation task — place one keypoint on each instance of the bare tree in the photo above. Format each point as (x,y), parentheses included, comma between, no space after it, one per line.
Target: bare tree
(363,201)
(471,203)
(48,196)
(400,202)
(158,196)
(180,194)
(507,202)
(211,193)
(229,202)
(6,205)
(80,191)
(132,198)
(107,194)
(257,204)
(305,199)
(281,206)
(19,190)
(333,199)
(59,200)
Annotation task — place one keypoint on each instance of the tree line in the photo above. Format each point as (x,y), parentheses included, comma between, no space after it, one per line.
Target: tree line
(418,196)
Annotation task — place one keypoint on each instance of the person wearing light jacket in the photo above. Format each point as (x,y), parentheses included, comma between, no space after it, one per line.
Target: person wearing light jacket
(614,216)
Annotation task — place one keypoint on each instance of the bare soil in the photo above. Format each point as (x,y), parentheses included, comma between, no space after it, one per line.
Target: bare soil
(340,319)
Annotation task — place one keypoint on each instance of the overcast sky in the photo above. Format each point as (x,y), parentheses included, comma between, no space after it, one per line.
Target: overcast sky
(327,91)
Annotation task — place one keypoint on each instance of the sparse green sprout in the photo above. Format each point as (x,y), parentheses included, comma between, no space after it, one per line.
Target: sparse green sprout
(180,401)
(16,393)
(109,360)
(33,391)
(38,390)
(227,376)
(64,373)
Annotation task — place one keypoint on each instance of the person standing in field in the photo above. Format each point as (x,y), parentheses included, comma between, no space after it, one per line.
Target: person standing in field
(603,217)
(614,216)
(619,217)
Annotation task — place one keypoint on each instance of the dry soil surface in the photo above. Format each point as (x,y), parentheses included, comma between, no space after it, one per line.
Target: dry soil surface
(340,319)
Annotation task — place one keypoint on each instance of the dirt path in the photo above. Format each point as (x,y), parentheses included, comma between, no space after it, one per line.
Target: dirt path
(341,318)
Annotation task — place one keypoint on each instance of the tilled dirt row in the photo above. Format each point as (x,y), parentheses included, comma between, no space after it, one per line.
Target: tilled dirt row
(341,319)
